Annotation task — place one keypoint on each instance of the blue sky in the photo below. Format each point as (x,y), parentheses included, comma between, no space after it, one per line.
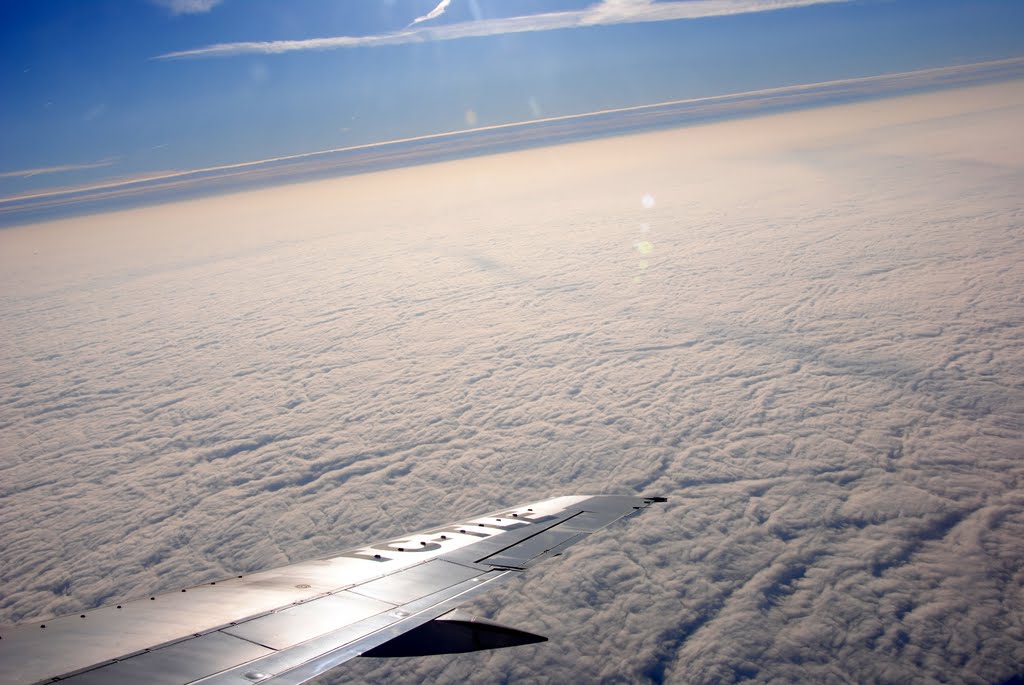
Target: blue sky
(90,93)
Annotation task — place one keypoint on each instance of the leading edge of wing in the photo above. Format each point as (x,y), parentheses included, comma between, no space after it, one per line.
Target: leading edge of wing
(289,624)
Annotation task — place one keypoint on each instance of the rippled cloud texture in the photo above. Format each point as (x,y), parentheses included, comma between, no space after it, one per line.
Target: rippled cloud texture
(806,329)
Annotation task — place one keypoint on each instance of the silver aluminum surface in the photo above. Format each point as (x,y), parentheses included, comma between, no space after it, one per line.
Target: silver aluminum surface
(415,582)
(319,655)
(519,555)
(296,624)
(29,652)
(181,662)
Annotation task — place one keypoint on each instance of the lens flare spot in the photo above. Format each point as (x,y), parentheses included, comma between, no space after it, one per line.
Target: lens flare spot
(534,107)
(645,247)
(470,117)
(647,201)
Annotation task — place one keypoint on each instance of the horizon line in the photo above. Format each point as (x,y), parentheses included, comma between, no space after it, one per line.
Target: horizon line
(157,176)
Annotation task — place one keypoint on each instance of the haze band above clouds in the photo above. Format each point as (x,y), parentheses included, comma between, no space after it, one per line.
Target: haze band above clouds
(607,12)
(355,159)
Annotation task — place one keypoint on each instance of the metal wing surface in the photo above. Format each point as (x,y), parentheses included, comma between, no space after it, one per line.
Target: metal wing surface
(290,624)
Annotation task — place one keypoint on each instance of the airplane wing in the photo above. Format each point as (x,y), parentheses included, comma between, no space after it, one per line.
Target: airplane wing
(287,625)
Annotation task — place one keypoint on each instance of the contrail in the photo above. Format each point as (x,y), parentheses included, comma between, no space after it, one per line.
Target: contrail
(604,12)
(29,173)
(432,14)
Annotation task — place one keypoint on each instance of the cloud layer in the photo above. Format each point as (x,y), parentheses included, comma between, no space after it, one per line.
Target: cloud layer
(606,12)
(811,340)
